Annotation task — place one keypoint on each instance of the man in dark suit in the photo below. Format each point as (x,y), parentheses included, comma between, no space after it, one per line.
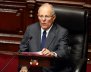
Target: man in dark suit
(56,42)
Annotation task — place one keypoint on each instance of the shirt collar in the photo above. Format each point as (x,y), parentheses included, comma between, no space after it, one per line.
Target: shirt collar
(47,31)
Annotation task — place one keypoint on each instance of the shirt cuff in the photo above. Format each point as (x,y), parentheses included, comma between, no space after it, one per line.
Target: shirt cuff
(55,54)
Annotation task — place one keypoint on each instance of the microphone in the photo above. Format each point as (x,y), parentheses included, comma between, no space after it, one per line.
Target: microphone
(28,40)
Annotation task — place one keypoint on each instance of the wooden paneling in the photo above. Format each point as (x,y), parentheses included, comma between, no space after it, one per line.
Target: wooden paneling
(10,21)
(59,0)
(88,1)
(15,15)
(75,0)
(9,47)
(63,2)
(89,33)
(10,42)
(8,63)
(11,18)
(29,16)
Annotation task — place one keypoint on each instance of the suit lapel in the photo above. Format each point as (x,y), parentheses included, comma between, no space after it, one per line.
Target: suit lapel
(37,38)
(51,36)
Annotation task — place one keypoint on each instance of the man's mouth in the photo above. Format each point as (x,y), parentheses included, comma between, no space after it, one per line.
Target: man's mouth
(43,23)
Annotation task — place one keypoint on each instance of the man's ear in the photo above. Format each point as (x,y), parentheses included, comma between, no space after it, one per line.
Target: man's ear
(54,17)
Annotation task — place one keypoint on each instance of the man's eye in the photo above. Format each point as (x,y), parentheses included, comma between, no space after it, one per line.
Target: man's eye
(40,16)
(47,16)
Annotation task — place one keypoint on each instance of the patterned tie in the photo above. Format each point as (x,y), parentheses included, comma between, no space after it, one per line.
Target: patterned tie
(43,39)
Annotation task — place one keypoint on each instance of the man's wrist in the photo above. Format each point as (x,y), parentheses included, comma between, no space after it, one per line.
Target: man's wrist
(54,54)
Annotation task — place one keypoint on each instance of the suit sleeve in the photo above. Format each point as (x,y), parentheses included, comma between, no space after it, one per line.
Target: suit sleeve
(24,43)
(62,45)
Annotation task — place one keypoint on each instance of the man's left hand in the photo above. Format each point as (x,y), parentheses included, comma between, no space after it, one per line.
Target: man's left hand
(47,52)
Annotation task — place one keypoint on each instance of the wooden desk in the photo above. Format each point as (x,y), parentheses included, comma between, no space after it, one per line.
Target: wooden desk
(8,63)
(34,59)
(31,59)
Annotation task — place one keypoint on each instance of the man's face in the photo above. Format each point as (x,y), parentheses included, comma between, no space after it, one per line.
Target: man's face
(46,17)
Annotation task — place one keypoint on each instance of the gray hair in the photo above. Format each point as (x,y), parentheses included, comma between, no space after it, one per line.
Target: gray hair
(47,5)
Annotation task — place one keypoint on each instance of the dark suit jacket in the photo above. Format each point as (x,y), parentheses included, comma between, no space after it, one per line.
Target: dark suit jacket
(56,41)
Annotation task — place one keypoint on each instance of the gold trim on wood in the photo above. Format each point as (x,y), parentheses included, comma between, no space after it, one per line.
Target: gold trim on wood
(10,41)
(62,2)
(10,35)
(8,10)
(87,5)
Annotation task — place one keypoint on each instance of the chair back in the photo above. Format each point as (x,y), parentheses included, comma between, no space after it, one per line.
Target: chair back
(75,20)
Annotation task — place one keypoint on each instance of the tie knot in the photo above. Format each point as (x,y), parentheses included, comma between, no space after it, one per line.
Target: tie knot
(44,32)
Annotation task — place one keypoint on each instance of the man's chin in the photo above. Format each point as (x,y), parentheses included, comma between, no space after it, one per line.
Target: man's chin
(44,27)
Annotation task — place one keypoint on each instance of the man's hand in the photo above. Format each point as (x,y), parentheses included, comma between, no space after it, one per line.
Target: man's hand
(47,52)
(24,69)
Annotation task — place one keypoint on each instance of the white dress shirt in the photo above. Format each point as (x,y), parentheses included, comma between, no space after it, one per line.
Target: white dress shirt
(47,32)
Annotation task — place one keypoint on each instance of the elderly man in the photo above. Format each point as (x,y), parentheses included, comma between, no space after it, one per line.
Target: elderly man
(47,37)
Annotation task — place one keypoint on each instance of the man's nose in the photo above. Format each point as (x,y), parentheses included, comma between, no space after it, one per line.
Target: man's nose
(43,18)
